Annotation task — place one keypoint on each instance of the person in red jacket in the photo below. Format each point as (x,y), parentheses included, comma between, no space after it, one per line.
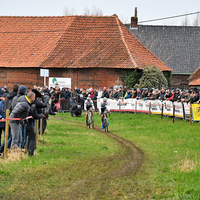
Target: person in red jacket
(92,94)
(172,97)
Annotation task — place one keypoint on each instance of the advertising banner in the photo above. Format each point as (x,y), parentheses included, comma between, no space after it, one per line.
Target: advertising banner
(62,82)
(196,111)
(141,106)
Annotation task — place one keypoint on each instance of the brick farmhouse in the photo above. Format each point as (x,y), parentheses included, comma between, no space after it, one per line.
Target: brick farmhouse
(93,51)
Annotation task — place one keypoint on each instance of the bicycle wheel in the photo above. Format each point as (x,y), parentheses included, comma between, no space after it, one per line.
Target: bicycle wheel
(92,123)
(89,120)
(105,125)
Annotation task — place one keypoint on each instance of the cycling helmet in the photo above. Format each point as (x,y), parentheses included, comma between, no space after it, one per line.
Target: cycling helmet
(105,99)
(88,98)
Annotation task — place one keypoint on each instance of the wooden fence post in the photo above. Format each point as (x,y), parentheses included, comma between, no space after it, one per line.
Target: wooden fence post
(162,111)
(36,131)
(190,115)
(41,126)
(6,133)
(173,112)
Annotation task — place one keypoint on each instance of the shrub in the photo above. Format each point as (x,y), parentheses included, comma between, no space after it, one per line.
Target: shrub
(131,77)
(152,77)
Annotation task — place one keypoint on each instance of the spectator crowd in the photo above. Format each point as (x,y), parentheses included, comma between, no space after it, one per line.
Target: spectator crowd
(40,102)
(24,107)
(179,95)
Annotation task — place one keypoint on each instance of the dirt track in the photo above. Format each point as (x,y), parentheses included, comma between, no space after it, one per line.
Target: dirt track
(132,159)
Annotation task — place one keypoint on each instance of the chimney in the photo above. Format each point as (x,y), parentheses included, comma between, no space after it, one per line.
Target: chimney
(134,20)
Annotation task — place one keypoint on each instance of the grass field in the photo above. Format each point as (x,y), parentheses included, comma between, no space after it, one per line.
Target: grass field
(141,158)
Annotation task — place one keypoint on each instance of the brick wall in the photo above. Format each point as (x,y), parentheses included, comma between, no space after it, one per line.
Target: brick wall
(80,77)
(87,78)
(25,76)
(180,81)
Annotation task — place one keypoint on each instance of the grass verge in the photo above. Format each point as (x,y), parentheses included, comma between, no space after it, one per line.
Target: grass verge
(73,162)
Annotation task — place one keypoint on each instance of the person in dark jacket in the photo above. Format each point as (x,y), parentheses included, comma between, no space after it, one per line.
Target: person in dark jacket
(37,93)
(145,93)
(30,128)
(74,94)
(53,104)
(21,110)
(46,111)
(41,104)
(120,92)
(162,94)
(94,98)
(139,94)
(45,91)
(188,96)
(105,93)
(177,95)
(195,98)
(7,105)
(76,109)
(115,95)
(5,89)
(2,115)
(1,92)
(22,90)
(168,94)
(67,93)
(65,103)
(10,97)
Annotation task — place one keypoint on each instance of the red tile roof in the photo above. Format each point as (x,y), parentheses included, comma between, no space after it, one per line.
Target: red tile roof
(72,42)
(194,74)
(195,82)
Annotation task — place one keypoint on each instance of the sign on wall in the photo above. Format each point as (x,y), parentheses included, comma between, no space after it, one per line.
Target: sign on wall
(44,72)
(62,82)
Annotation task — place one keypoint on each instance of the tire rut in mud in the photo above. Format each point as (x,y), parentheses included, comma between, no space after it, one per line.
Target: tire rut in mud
(132,157)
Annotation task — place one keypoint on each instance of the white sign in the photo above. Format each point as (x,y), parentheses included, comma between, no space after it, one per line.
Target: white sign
(44,72)
(62,82)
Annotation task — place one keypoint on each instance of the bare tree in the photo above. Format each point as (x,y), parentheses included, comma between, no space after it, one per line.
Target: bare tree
(86,11)
(197,20)
(68,12)
(95,11)
(185,22)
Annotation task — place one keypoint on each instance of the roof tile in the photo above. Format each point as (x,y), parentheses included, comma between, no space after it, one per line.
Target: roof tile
(72,42)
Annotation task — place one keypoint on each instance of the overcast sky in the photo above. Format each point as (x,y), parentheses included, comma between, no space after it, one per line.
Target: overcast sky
(147,9)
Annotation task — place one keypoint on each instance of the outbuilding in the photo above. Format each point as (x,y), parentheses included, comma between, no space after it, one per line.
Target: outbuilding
(93,51)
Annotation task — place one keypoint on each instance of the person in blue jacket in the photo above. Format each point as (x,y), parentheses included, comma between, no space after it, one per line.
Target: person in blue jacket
(129,94)
(2,114)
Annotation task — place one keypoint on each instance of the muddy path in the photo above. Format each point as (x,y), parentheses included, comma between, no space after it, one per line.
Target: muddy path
(131,159)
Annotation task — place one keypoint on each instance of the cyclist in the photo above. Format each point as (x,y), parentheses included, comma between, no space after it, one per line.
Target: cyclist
(88,105)
(104,107)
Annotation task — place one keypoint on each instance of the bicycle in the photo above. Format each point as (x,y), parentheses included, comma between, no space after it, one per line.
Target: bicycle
(90,122)
(105,122)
